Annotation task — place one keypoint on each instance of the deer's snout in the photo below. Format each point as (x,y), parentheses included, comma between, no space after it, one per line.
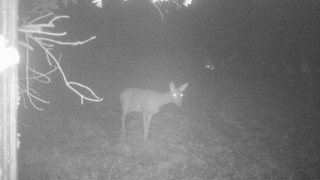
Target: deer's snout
(178,102)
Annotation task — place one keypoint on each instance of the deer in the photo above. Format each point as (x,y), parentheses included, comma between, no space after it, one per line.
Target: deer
(148,103)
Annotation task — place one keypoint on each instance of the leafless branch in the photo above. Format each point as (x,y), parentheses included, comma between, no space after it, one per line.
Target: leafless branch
(157,7)
(158,3)
(33,31)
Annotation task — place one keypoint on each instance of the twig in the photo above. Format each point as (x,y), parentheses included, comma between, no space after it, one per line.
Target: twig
(34,31)
(66,43)
(157,3)
(110,172)
(157,7)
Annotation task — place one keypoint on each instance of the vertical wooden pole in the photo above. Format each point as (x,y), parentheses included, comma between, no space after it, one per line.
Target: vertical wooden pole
(8,94)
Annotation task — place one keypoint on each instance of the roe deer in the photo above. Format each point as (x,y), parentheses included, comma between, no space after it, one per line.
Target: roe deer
(147,102)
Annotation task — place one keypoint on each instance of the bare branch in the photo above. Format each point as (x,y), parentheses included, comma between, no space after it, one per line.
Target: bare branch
(33,31)
(56,18)
(97,99)
(26,45)
(157,7)
(177,4)
(39,75)
(158,3)
(41,17)
(30,29)
(66,43)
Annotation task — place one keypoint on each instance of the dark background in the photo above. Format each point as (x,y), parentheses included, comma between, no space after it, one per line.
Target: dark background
(259,104)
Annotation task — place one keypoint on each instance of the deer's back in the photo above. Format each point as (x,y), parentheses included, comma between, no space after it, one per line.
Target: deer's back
(140,100)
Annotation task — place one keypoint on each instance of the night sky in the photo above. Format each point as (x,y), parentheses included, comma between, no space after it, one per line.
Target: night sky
(250,111)
(135,48)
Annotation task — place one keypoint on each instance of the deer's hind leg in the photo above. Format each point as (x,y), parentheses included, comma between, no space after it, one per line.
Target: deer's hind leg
(125,112)
(146,124)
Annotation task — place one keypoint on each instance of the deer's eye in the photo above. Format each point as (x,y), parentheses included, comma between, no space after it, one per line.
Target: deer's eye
(174,95)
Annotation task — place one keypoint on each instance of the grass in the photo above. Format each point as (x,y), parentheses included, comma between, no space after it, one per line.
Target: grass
(234,129)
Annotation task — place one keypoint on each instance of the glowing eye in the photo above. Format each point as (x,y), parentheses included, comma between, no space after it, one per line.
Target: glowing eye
(181,95)
(174,95)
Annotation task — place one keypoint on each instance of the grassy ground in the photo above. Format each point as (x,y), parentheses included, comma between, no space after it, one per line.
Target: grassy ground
(232,129)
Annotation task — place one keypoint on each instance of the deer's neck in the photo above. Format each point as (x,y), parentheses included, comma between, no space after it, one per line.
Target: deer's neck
(165,98)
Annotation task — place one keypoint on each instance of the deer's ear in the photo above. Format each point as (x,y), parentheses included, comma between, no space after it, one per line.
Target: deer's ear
(171,86)
(183,87)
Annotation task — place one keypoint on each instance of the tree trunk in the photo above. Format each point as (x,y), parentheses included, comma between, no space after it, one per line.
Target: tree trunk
(8,94)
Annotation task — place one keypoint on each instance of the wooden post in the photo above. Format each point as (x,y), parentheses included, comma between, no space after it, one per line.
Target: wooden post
(8,94)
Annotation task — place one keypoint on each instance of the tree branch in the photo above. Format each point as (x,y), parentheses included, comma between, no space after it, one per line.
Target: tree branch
(33,31)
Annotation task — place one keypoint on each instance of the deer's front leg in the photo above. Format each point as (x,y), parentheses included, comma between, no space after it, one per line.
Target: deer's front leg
(145,127)
(149,116)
